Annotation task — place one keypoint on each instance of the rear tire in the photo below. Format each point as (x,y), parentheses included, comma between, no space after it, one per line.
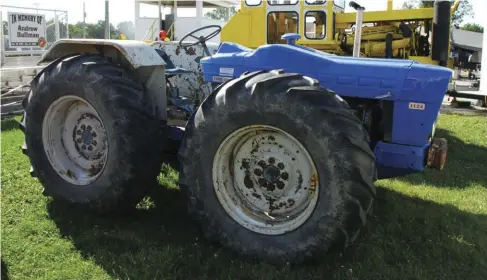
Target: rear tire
(322,123)
(88,135)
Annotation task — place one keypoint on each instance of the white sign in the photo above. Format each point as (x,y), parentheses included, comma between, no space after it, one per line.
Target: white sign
(226,71)
(26,30)
(416,106)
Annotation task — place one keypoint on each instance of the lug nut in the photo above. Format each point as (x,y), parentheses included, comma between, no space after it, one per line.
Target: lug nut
(262,182)
(280,165)
(261,163)
(93,134)
(94,143)
(83,147)
(285,176)
(272,160)
(271,187)
(90,148)
(89,128)
(78,132)
(280,185)
(83,127)
(258,172)
(79,140)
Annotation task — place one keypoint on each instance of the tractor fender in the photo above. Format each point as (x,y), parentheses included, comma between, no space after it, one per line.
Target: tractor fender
(135,56)
(127,52)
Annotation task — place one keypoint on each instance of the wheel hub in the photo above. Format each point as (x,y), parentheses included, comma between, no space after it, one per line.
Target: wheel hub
(75,140)
(274,183)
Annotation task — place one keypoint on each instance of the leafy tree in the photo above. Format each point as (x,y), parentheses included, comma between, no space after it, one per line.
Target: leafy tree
(220,13)
(464,9)
(473,27)
(76,30)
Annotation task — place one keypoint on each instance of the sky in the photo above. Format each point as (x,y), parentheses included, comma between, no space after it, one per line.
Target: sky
(122,10)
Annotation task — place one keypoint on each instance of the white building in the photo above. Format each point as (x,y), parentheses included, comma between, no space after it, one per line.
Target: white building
(147,28)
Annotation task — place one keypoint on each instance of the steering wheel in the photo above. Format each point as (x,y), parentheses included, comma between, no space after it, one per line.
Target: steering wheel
(201,39)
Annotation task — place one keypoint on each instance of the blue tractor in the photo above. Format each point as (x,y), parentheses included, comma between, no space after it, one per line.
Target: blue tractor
(278,163)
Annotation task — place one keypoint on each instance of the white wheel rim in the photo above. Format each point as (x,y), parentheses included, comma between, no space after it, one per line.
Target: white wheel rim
(265,179)
(75,140)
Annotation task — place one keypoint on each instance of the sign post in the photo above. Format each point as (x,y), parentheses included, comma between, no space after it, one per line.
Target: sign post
(26,30)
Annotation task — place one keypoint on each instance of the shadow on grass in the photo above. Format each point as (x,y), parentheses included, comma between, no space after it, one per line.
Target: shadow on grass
(407,238)
(9,124)
(466,165)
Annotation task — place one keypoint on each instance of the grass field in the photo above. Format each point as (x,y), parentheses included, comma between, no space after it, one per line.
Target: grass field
(425,226)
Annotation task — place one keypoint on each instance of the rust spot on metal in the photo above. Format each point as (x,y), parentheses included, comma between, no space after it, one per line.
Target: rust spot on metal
(314,181)
(300,182)
(258,196)
(248,181)
(190,51)
(178,50)
(245,164)
(437,153)
(271,202)
(290,203)
(95,169)
(271,138)
(255,146)
(71,174)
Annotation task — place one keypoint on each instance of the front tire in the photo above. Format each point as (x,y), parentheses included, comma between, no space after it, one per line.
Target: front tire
(320,170)
(88,136)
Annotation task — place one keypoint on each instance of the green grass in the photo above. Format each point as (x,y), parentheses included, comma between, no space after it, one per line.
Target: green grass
(425,226)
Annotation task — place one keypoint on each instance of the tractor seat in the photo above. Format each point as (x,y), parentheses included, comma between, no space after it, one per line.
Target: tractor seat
(171,69)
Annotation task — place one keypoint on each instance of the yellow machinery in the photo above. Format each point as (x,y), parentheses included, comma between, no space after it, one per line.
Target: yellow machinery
(324,25)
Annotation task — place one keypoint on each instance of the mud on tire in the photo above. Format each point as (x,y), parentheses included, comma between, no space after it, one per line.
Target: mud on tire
(132,134)
(323,123)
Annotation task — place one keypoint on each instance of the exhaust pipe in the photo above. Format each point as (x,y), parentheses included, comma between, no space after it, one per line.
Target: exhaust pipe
(358,28)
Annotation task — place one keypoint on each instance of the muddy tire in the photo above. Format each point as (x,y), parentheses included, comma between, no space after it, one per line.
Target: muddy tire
(88,134)
(300,180)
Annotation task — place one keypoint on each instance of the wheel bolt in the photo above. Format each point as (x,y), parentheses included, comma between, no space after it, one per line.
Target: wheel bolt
(261,163)
(78,132)
(272,160)
(90,148)
(79,140)
(262,182)
(89,128)
(94,143)
(280,185)
(258,172)
(284,176)
(83,147)
(83,127)
(280,165)
(271,187)
(93,134)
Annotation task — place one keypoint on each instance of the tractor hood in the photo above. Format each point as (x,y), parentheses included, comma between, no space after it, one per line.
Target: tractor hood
(386,79)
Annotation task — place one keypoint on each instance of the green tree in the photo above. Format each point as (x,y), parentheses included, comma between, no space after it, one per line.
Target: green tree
(76,30)
(473,27)
(220,13)
(464,9)
(97,31)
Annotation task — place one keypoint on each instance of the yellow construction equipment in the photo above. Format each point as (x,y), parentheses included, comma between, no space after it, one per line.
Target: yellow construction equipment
(324,25)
